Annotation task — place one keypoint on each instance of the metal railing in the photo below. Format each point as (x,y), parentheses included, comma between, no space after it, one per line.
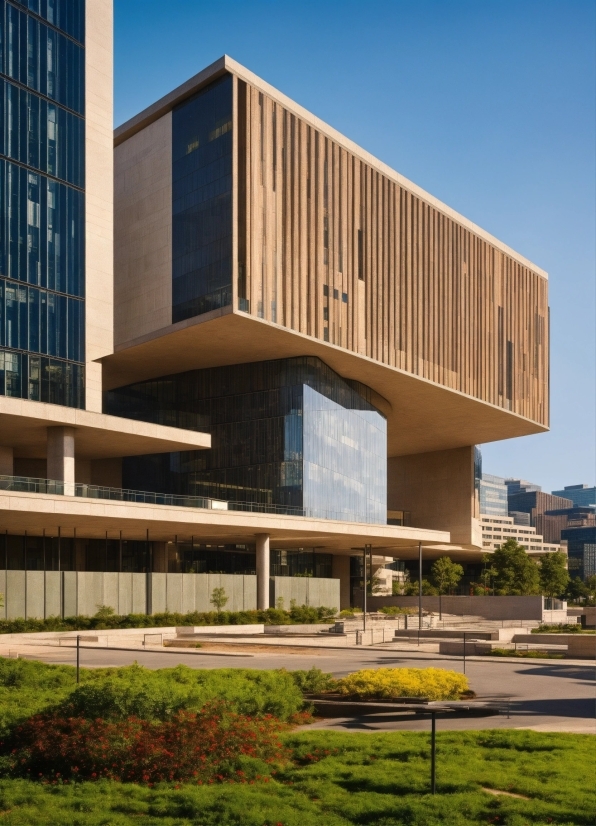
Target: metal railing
(27,484)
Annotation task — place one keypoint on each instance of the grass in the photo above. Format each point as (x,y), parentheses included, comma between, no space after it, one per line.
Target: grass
(350,779)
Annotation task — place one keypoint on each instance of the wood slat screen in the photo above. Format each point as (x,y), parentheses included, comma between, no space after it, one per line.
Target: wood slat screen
(330,247)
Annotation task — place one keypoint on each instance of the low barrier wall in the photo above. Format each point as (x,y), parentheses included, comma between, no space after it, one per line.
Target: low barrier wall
(490,608)
(42,594)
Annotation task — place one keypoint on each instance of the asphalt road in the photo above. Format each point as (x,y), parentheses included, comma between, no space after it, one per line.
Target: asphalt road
(541,695)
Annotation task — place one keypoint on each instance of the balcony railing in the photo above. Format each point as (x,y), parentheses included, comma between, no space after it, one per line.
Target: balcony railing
(27,484)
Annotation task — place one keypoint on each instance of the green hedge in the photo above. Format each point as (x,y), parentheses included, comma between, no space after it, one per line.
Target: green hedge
(28,687)
(297,615)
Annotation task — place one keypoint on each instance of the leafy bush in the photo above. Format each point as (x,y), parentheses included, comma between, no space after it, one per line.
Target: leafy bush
(394,610)
(531,655)
(350,613)
(313,681)
(558,628)
(392,683)
(106,619)
(213,744)
(28,687)
(157,695)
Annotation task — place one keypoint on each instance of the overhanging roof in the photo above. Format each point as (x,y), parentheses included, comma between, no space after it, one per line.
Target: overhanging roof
(227,64)
(24,423)
(35,512)
(422,416)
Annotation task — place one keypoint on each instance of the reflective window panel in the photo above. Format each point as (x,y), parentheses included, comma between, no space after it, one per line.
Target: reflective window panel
(202,202)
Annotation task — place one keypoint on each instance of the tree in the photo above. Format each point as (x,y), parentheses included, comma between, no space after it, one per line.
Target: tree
(554,576)
(446,575)
(513,572)
(411,589)
(218,598)
(591,586)
(577,589)
(376,585)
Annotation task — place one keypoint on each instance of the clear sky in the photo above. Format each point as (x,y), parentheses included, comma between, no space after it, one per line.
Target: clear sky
(490,105)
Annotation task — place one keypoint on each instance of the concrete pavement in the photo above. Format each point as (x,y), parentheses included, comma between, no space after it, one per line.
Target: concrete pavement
(543,695)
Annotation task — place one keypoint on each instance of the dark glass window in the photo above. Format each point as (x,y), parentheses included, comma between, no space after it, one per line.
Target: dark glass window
(202,202)
(66,15)
(42,135)
(39,321)
(290,433)
(40,378)
(42,229)
(39,57)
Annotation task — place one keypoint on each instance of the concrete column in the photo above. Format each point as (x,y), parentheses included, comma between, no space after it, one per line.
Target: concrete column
(61,456)
(263,571)
(6,461)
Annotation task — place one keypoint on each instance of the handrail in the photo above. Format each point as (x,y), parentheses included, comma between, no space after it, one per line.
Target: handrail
(28,484)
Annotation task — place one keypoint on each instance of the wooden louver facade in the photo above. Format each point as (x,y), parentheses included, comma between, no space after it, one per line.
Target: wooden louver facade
(333,248)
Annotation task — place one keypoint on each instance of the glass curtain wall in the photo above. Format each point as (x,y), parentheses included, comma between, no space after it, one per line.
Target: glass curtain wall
(42,201)
(288,432)
(202,202)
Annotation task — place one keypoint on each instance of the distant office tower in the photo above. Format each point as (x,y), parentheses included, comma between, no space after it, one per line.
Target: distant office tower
(580,495)
(493,495)
(581,549)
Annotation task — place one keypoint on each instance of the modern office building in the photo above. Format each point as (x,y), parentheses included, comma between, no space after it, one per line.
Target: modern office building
(293,359)
(580,495)
(493,495)
(497,530)
(530,499)
(581,548)
(556,521)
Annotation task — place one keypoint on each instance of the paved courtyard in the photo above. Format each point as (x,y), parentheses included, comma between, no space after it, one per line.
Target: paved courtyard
(541,695)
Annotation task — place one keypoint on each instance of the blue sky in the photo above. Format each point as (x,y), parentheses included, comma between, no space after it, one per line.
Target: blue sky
(487,104)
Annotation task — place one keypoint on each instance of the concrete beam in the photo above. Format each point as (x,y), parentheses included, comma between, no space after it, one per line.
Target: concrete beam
(263,571)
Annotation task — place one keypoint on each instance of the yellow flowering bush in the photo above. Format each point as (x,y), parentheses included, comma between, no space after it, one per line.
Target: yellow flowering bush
(390,683)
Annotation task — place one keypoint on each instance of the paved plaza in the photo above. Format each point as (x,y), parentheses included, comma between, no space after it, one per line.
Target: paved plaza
(543,695)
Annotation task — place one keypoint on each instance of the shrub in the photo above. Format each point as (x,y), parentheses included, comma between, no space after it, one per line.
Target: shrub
(393,610)
(392,683)
(558,628)
(103,619)
(158,695)
(313,681)
(213,744)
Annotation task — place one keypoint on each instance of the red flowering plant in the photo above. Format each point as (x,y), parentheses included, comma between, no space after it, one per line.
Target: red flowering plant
(208,746)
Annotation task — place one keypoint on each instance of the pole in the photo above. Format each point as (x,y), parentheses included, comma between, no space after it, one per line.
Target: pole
(433,754)
(364,588)
(419,590)
(78,657)
(464,652)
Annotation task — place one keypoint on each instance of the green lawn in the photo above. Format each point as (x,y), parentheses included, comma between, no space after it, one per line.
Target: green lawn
(344,779)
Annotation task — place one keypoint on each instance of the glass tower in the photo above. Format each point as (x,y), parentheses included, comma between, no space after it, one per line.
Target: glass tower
(288,432)
(42,200)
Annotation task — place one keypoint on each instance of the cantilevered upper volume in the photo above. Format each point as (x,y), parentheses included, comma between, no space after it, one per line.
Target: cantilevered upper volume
(309,246)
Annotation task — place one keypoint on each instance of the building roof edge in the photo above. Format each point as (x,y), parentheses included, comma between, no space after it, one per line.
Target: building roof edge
(228,64)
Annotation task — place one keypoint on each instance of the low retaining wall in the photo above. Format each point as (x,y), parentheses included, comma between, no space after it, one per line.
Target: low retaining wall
(42,594)
(490,608)
(582,645)
(315,591)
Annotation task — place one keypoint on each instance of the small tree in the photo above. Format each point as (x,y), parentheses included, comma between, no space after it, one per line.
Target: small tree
(554,576)
(513,572)
(591,586)
(446,575)
(376,585)
(218,599)
(577,590)
(411,589)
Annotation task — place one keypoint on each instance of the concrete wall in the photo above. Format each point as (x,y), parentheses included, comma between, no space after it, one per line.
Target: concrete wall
(313,591)
(438,490)
(493,608)
(143,232)
(39,594)
(99,195)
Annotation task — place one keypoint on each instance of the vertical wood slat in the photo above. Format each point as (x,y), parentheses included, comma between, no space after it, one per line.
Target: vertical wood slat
(436,300)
